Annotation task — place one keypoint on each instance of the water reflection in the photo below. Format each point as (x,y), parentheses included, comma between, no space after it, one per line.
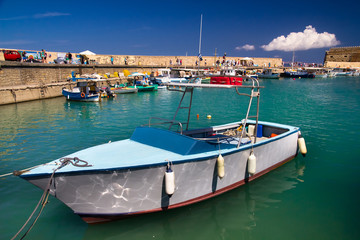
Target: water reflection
(231,214)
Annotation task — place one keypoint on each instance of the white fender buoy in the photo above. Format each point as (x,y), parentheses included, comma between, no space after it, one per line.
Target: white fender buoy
(252,164)
(220,166)
(251,130)
(169,181)
(302,145)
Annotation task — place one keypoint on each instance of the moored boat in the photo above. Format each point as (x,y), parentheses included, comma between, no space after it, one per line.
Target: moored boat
(121,89)
(159,169)
(141,82)
(227,76)
(300,73)
(85,91)
(268,74)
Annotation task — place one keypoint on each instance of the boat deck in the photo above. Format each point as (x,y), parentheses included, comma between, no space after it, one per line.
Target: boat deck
(149,147)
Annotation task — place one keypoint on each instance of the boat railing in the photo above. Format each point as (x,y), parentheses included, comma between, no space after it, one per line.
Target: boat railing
(165,121)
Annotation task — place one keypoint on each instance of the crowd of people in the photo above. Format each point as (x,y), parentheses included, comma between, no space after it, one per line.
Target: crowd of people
(68,58)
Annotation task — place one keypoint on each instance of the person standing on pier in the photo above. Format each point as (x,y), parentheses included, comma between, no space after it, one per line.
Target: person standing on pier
(23,54)
(70,57)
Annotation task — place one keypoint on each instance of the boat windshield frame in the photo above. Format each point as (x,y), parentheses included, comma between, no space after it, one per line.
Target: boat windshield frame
(185,88)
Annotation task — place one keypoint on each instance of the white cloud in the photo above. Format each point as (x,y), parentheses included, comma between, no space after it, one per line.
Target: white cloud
(246,47)
(296,41)
(50,14)
(16,42)
(36,16)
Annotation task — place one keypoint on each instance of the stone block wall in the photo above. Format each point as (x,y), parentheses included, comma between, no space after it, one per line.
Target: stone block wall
(159,61)
(343,54)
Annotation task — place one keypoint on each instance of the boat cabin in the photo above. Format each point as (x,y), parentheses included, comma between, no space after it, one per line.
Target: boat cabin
(87,87)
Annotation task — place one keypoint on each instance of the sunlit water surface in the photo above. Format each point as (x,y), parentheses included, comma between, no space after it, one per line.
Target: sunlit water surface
(316,197)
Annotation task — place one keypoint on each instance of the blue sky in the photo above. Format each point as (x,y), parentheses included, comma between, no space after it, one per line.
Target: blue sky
(239,28)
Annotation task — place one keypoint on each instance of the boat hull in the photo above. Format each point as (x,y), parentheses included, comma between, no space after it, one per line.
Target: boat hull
(269,76)
(109,194)
(124,90)
(76,96)
(297,75)
(148,88)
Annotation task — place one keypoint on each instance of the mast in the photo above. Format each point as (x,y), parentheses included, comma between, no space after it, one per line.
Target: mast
(199,56)
(215,57)
(200,35)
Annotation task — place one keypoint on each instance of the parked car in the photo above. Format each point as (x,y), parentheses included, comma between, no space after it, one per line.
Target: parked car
(11,55)
(60,60)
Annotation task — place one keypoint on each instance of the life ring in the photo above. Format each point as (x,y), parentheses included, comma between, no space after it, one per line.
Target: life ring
(82,94)
(239,129)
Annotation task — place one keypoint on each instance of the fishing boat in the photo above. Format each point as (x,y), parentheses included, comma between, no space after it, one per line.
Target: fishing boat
(85,91)
(165,75)
(227,76)
(268,74)
(141,82)
(300,73)
(145,87)
(122,89)
(165,164)
(340,72)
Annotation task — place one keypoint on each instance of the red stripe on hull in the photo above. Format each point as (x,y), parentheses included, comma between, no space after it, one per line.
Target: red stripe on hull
(92,219)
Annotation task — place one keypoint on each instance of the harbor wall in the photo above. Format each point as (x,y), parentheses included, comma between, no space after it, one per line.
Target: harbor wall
(158,61)
(25,81)
(342,64)
(21,82)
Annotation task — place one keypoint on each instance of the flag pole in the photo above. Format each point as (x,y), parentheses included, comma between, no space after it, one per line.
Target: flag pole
(199,56)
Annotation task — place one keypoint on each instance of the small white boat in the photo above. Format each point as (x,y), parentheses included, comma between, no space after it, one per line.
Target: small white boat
(340,72)
(166,75)
(268,74)
(158,169)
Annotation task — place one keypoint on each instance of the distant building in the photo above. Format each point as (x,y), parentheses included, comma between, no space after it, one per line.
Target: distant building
(344,55)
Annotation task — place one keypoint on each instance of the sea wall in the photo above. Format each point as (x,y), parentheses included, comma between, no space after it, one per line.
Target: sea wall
(21,82)
(26,81)
(158,61)
(342,64)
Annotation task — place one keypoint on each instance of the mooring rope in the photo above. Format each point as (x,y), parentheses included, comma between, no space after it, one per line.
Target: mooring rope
(17,173)
(74,161)
(44,198)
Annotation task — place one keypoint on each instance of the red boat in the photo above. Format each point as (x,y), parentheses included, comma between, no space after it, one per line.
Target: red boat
(226,80)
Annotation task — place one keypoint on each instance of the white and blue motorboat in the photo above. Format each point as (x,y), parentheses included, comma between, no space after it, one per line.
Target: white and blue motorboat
(165,76)
(268,74)
(163,168)
(85,91)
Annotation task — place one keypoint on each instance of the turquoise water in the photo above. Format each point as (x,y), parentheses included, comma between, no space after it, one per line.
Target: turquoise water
(316,197)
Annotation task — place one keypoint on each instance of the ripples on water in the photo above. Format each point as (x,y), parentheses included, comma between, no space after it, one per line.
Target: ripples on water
(312,193)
